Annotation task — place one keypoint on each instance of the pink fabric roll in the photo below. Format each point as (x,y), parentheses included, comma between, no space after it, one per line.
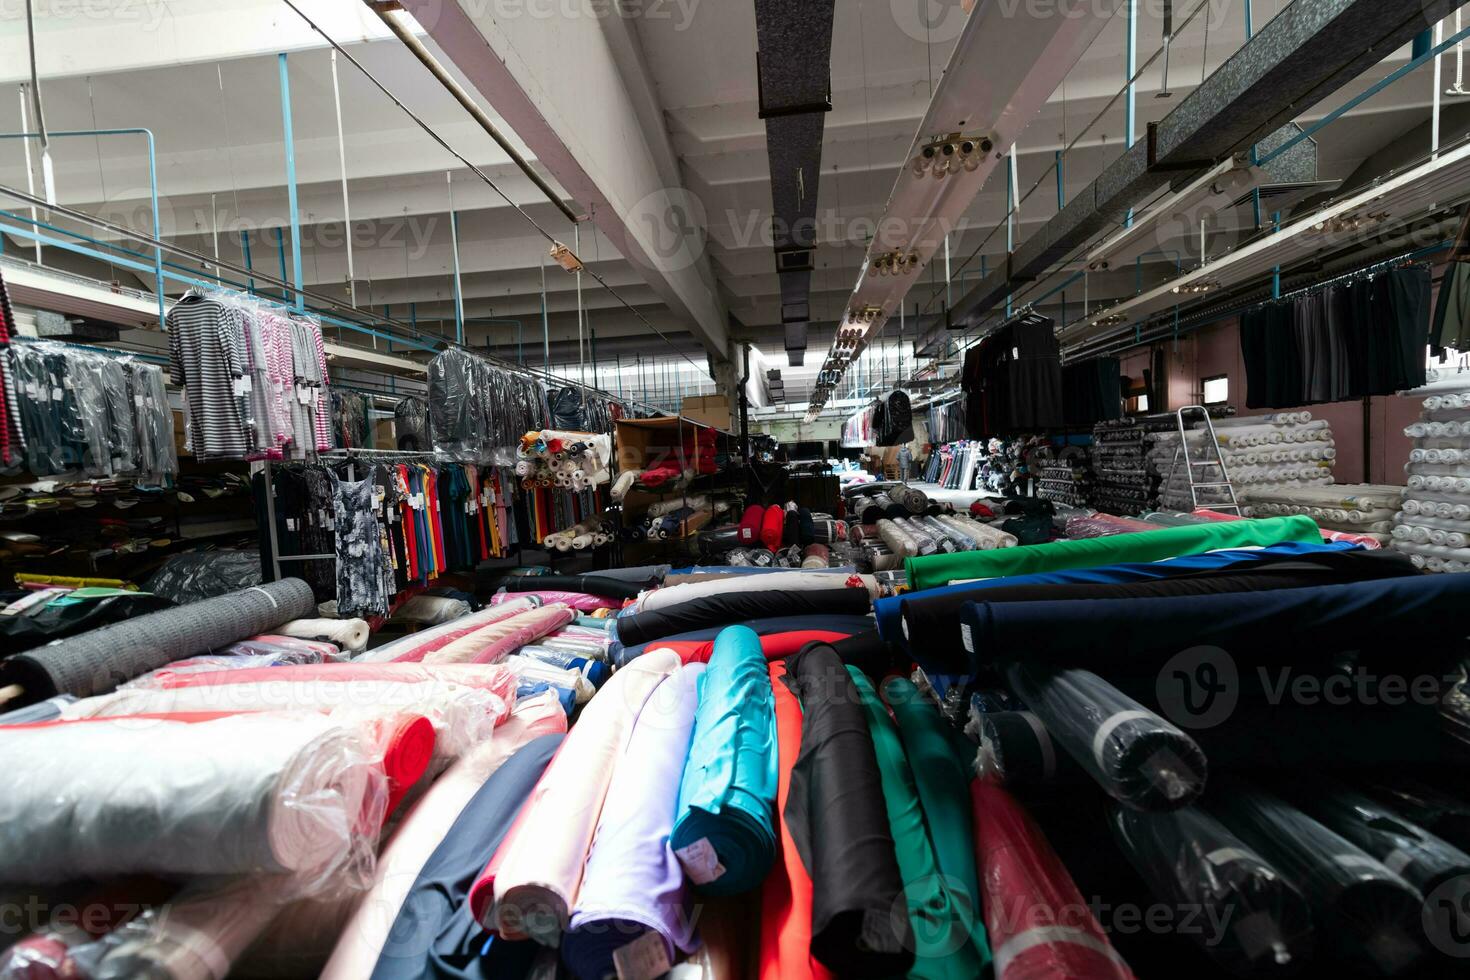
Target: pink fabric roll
(485,677)
(577,600)
(362,939)
(529,888)
(496,641)
(416,645)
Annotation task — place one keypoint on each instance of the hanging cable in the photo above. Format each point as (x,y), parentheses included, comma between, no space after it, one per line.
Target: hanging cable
(48,175)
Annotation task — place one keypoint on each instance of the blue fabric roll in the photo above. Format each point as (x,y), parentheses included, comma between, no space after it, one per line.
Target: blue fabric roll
(725,834)
(432,936)
(594,670)
(567,697)
(1302,626)
(890,621)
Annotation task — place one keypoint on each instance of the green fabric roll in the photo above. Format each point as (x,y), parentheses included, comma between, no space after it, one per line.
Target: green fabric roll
(943,928)
(1168,542)
(943,782)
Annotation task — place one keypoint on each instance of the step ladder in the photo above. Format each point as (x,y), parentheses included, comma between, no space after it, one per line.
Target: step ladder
(1192,465)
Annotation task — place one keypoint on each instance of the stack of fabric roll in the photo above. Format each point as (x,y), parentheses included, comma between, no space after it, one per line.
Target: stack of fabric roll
(593,533)
(1063,475)
(1120,473)
(569,460)
(1362,509)
(1432,525)
(1289,449)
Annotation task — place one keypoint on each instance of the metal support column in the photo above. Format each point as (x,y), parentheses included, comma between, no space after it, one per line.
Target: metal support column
(296,277)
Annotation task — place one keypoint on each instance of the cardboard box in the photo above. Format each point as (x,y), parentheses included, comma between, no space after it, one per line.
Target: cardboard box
(713,410)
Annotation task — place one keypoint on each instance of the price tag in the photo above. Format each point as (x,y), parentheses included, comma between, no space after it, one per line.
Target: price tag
(645,958)
(700,862)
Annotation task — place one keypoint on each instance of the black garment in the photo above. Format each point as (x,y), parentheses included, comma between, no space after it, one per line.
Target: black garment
(1409,292)
(1092,392)
(897,426)
(411,425)
(1013,380)
(837,819)
(736,607)
(566,409)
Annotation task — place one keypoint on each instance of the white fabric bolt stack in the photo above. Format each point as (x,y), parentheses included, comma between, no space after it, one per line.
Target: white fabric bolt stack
(1432,525)
(1354,508)
(1285,449)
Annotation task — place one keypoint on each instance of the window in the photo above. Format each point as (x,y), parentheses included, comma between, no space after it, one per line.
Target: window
(1217,390)
(1140,403)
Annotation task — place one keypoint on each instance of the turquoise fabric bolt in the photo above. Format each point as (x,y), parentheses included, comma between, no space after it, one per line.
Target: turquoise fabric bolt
(725,834)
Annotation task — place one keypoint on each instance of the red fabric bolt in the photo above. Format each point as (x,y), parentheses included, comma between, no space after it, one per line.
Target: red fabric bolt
(773,525)
(750,523)
(984,513)
(408,746)
(1025,887)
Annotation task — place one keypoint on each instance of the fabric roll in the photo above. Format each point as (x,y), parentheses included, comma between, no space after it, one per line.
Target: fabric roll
(350,635)
(416,646)
(1018,752)
(941,916)
(530,886)
(1367,916)
(773,525)
(889,611)
(815,556)
(781,637)
(673,596)
(724,834)
(299,793)
(634,885)
(491,643)
(581,601)
(839,825)
(1399,613)
(406,743)
(97,661)
(1137,757)
(598,585)
(1442,814)
(529,670)
(1190,860)
(1040,926)
(736,607)
(940,778)
(750,524)
(786,896)
(1169,542)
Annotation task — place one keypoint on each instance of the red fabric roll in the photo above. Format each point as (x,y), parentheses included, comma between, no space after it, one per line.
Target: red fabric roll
(1040,925)
(776,646)
(750,523)
(773,525)
(407,742)
(786,896)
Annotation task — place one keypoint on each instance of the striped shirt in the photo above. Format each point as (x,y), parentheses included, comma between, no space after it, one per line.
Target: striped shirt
(205,353)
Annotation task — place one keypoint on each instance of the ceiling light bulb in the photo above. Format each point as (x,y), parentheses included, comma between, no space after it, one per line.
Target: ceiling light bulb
(972,163)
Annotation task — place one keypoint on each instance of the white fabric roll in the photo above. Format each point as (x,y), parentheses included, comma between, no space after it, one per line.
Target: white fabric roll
(349,634)
(673,595)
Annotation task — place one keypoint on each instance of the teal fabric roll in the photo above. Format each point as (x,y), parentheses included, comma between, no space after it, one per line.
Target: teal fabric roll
(725,834)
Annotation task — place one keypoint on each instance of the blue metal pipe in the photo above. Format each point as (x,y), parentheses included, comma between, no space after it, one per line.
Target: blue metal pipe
(291,184)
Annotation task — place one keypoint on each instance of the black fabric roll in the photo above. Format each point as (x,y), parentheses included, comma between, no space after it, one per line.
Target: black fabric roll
(1441,813)
(609,588)
(1016,747)
(736,607)
(932,620)
(839,823)
(1261,923)
(1137,757)
(868,652)
(1367,917)
(97,661)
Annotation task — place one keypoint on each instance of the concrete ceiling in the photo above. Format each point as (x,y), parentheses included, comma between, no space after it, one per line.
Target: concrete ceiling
(203,75)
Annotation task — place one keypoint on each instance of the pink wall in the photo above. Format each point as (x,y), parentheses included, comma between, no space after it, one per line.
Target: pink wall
(1215,350)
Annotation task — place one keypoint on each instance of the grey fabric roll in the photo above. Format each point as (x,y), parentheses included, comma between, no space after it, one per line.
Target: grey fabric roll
(98,661)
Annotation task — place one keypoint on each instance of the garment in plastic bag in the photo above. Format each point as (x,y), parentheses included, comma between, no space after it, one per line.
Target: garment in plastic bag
(197,575)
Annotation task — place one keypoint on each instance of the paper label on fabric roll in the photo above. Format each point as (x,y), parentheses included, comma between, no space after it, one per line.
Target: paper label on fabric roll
(700,862)
(966,636)
(645,958)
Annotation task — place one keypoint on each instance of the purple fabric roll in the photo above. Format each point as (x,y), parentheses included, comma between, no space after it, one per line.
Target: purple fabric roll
(633,887)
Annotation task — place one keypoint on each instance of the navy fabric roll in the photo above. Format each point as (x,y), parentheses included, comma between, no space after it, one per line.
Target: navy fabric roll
(433,935)
(737,607)
(851,625)
(1290,626)
(724,834)
(890,620)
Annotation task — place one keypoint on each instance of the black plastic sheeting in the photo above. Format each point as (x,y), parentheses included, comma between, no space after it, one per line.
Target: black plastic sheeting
(1255,922)
(197,575)
(837,819)
(736,607)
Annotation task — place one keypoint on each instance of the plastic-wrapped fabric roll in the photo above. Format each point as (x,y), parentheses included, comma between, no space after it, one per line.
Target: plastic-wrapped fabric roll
(941,916)
(597,585)
(795,581)
(773,525)
(951,598)
(781,637)
(1104,525)
(786,896)
(1367,917)
(349,634)
(530,885)
(97,661)
(299,793)
(1438,812)
(839,824)
(738,606)
(594,670)
(529,670)
(416,646)
(815,556)
(633,885)
(1190,860)
(1397,613)
(724,834)
(1438,869)
(1137,757)
(491,643)
(940,776)
(1040,926)
(1018,752)
(1169,542)
(579,601)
